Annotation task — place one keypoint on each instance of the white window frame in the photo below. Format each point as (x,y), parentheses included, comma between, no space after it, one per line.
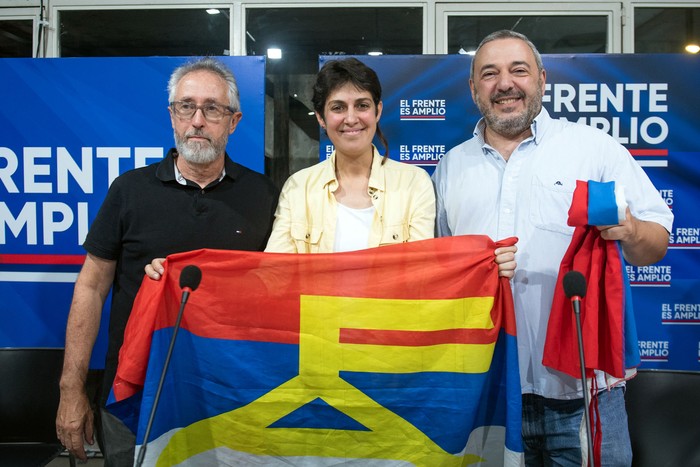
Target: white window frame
(628,30)
(57,7)
(26,14)
(612,11)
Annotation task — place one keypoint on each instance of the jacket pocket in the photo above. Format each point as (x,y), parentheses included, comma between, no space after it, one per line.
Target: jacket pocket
(396,233)
(306,237)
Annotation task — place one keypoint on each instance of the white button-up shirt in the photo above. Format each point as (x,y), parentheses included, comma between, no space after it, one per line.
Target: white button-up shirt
(529,196)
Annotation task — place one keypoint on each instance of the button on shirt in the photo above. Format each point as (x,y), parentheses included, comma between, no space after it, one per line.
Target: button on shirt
(529,196)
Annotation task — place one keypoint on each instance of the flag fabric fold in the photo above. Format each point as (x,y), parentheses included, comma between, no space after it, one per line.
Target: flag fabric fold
(607,317)
(399,355)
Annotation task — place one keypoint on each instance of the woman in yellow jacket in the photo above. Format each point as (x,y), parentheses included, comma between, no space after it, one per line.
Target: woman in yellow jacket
(357,198)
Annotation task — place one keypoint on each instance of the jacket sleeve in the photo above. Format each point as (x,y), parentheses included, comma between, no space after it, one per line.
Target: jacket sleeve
(281,240)
(421,224)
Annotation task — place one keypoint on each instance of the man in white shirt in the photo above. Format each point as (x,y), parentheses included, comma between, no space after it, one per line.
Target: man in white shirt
(516,177)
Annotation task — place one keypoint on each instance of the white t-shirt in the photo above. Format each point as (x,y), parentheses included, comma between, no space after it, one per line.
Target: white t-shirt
(352,228)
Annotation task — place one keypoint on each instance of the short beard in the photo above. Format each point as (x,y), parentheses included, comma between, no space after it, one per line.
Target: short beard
(511,126)
(200,152)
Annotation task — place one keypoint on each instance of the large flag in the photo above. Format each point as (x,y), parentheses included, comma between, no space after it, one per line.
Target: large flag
(394,356)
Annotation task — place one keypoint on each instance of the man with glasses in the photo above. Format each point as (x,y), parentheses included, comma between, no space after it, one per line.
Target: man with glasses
(196,197)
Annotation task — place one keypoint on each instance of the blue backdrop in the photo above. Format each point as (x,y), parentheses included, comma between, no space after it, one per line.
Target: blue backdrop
(69,127)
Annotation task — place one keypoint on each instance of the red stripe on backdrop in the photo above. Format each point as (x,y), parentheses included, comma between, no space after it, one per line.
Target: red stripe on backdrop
(42,259)
(649,152)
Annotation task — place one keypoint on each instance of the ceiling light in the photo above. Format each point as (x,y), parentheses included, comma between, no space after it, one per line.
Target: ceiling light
(375,53)
(692,48)
(213,11)
(274,54)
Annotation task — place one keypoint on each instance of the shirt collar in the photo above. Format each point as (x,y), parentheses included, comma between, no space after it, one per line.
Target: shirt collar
(167,170)
(183,181)
(540,124)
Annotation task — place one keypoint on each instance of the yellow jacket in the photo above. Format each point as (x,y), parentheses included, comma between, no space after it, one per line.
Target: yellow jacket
(402,195)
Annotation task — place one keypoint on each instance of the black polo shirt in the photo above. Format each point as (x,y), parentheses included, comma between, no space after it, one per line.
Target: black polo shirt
(148,214)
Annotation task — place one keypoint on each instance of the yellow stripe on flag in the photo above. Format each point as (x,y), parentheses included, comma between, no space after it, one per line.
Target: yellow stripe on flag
(322,318)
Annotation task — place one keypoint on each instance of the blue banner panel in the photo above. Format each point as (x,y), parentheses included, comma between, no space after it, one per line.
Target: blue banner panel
(428,109)
(70,127)
(427,106)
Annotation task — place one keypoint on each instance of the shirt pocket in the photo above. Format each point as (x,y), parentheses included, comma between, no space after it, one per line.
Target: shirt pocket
(395,233)
(306,237)
(550,200)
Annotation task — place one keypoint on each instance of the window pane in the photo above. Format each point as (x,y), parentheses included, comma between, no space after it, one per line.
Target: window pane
(16,38)
(665,30)
(305,33)
(115,33)
(551,34)
(292,132)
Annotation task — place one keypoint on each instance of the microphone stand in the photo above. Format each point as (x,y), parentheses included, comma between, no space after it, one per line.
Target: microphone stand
(142,451)
(576,301)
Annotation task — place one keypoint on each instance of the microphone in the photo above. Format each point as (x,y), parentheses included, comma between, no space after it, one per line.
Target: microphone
(575,289)
(190,277)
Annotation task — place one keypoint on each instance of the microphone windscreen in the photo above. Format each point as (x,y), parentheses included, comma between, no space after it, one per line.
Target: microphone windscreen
(190,277)
(574,284)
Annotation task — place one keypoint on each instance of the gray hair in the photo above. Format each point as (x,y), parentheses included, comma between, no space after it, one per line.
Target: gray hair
(508,34)
(211,65)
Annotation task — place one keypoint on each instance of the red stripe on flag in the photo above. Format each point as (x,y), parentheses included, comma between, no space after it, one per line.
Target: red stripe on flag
(417,338)
(578,212)
(42,259)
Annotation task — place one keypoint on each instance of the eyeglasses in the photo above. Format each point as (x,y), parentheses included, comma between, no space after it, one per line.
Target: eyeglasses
(213,112)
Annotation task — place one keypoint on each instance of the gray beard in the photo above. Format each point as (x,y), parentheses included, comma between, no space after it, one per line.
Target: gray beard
(511,126)
(199,153)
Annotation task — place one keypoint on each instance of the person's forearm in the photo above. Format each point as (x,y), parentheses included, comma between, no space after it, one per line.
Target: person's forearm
(91,290)
(81,333)
(74,418)
(648,246)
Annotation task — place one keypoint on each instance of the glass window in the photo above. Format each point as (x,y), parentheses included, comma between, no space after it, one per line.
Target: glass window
(169,32)
(305,33)
(666,30)
(16,38)
(551,34)
(302,34)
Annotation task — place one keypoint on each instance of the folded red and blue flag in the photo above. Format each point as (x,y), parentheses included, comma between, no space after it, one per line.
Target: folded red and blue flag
(607,317)
(400,355)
